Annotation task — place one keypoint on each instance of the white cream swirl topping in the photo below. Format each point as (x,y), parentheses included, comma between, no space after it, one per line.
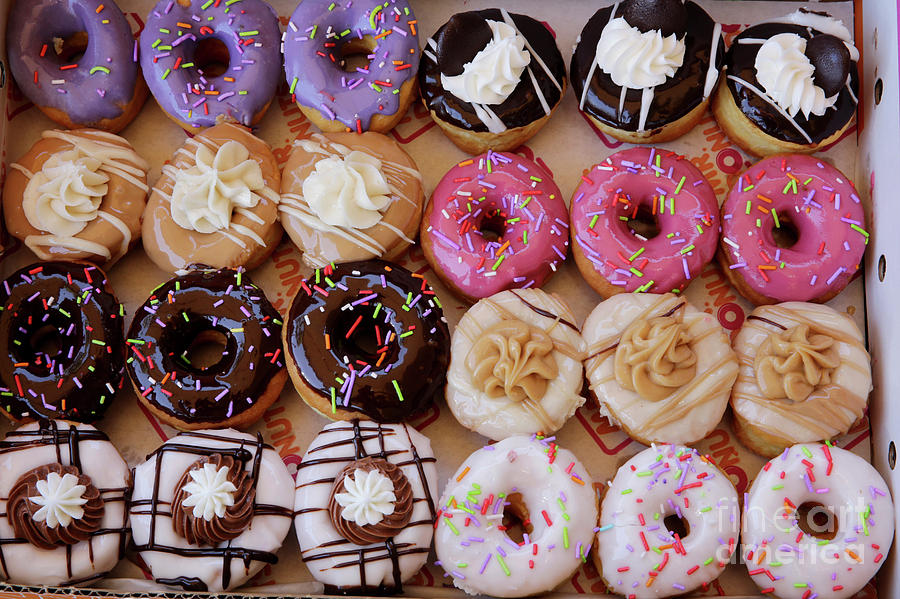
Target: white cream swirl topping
(786,74)
(209,492)
(60,498)
(66,194)
(367,498)
(348,191)
(205,195)
(636,59)
(492,75)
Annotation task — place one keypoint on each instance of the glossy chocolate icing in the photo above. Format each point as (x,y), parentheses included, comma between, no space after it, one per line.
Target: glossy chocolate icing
(672,100)
(740,62)
(401,302)
(204,300)
(457,42)
(69,306)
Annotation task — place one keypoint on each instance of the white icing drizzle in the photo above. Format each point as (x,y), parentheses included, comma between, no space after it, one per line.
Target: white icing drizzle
(646,101)
(774,104)
(121,227)
(75,244)
(712,73)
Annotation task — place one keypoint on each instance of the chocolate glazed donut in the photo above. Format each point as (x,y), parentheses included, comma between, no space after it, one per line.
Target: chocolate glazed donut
(205,306)
(762,112)
(367,338)
(61,338)
(672,100)
(459,40)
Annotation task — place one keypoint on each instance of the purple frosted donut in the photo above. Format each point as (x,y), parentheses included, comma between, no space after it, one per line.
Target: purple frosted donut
(321,32)
(76,60)
(205,60)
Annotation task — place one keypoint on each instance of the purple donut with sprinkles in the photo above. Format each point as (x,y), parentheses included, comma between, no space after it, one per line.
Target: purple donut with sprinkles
(76,60)
(209,61)
(351,64)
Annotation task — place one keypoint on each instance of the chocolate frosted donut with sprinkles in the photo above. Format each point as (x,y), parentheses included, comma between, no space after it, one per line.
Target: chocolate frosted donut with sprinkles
(61,335)
(351,64)
(77,61)
(367,339)
(495,222)
(793,229)
(206,62)
(644,220)
(205,351)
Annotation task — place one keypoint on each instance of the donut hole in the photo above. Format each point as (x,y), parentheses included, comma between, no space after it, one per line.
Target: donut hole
(211,57)
(205,350)
(493,226)
(816,520)
(643,223)
(71,49)
(362,339)
(516,519)
(785,235)
(47,341)
(354,53)
(677,525)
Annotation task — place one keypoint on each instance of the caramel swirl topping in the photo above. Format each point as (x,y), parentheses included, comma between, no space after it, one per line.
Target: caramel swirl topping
(391,523)
(792,363)
(513,359)
(213,501)
(44,492)
(654,357)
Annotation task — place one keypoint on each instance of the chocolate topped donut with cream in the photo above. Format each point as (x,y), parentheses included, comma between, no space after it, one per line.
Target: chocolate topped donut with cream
(643,70)
(791,84)
(491,78)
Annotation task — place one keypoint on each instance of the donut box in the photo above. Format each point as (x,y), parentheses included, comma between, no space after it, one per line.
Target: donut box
(566,146)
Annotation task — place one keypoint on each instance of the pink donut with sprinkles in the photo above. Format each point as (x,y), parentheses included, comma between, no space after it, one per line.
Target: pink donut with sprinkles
(495,222)
(643,220)
(793,229)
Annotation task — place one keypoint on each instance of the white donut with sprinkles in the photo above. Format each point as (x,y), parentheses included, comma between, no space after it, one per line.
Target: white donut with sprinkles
(818,521)
(669,524)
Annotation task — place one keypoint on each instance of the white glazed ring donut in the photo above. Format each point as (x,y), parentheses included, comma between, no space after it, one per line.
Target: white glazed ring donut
(551,493)
(47,460)
(210,508)
(637,554)
(352,466)
(792,563)
(515,365)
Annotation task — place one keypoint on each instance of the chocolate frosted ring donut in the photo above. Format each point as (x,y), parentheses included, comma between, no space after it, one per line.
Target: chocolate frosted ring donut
(61,337)
(202,308)
(367,338)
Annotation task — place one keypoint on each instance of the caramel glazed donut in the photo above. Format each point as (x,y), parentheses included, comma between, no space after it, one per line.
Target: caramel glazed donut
(350,196)
(364,506)
(215,203)
(77,195)
(210,508)
(491,79)
(63,492)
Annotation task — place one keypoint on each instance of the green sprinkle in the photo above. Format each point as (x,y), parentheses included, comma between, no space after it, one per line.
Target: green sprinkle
(806,452)
(687,249)
(747,211)
(636,272)
(680,185)
(248,33)
(333,402)
(497,263)
(166,74)
(626,491)
(708,561)
(184,314)
(503,565)
(99,68)
(63,312)
(859,229)
(376,88)
(207,4)
(453,528)
(634,255)
(97,342)
(565,537)
(397,389)
(377,309)
(595,219)
(775,218)
(331,6)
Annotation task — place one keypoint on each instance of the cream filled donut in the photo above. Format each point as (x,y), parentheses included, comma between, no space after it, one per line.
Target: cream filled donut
(817,521)
(348,197)
(664,489)
(210,508)
(526,478)
(63,487)
(215,203)
(659,368)
(77,195)
(364,505)
(515,365)
(804,376)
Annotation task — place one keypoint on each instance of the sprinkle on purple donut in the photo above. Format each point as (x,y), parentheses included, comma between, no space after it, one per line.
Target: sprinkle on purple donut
(312,57)
(43,53)
(211,59)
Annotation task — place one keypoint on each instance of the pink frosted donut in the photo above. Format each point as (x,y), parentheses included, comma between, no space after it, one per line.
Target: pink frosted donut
(644,219)
(793,229)
(495,222)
